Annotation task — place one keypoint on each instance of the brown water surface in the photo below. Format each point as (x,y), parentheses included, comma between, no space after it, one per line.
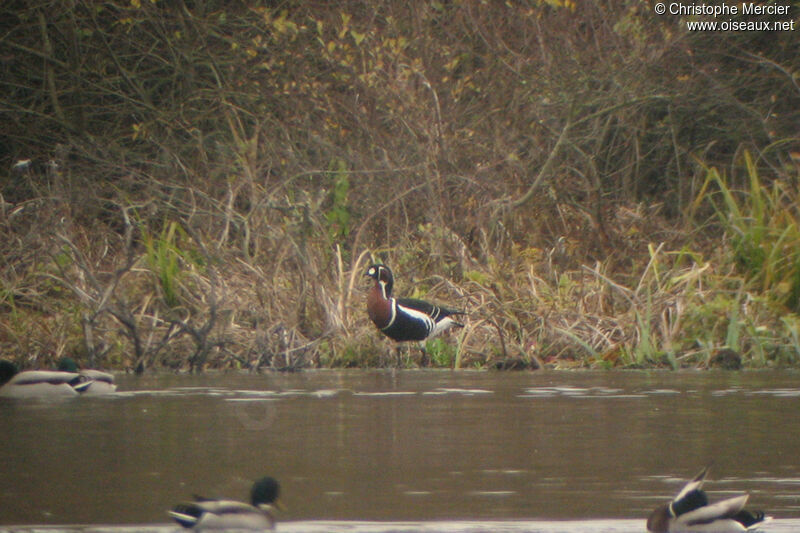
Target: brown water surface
(434,447)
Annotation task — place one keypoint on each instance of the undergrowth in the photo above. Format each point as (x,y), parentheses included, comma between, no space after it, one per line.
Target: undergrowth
(596,188)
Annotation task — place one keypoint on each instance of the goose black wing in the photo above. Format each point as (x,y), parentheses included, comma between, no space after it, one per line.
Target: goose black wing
(436,312)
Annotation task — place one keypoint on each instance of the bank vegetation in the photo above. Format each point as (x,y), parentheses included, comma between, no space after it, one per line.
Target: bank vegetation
(201,184)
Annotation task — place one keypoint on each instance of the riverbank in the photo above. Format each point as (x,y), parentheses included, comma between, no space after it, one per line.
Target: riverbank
(596,187)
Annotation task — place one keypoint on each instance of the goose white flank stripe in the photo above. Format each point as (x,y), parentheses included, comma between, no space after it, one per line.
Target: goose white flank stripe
(418,315)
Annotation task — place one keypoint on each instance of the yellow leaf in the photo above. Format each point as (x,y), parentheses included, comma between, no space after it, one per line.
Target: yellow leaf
(357,37)
(139,131)
(451,66)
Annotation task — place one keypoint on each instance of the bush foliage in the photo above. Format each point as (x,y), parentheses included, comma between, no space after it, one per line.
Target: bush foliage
(192,184)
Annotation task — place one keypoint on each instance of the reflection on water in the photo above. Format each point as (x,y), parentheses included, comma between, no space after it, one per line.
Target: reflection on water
(435,446)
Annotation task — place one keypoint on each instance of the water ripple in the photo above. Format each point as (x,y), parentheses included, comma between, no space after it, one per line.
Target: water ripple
(590,392)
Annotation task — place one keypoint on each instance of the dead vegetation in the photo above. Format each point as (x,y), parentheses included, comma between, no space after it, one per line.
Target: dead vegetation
(206,183)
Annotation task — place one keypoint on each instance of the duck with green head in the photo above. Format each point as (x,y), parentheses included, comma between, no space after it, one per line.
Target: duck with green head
(65,382)
(209,514)
(38,383)
(99,382)
(690,512)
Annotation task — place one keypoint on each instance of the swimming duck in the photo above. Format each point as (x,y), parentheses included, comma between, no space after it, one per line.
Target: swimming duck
(205,513)
(689,512)
(62,383)
(404,319)
(38,383)
(97,381)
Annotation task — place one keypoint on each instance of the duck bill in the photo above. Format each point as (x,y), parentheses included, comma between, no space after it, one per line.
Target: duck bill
(277,504)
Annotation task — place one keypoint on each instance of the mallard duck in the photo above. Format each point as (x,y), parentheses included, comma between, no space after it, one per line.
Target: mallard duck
(97,381)
(689,512)
(65,382)
(206,513)
(38,383)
